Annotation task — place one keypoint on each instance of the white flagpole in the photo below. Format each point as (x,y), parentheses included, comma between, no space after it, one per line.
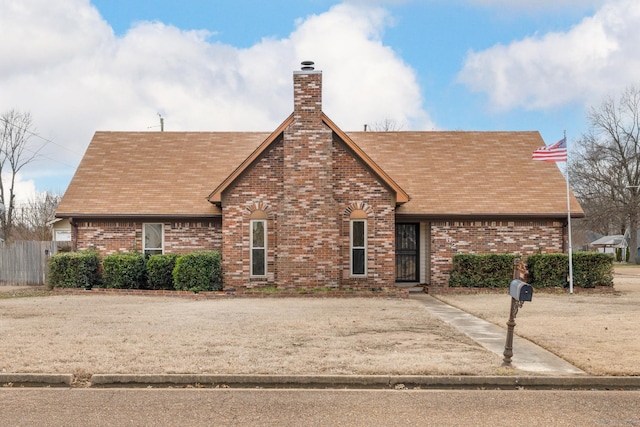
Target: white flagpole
(569,220)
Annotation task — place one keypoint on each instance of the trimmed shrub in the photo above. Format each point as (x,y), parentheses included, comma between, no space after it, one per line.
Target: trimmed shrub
(160,271)
(548,270)
(124,271)
(483,271)
(198,271)
(590,269)
(74,270)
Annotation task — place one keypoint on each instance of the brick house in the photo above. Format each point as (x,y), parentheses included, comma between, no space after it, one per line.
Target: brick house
(310,205)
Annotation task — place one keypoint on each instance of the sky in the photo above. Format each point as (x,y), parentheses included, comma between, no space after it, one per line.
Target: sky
(80,66)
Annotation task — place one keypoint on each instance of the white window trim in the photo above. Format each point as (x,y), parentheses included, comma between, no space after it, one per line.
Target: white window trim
(352,247)
(144,247)
(266,245)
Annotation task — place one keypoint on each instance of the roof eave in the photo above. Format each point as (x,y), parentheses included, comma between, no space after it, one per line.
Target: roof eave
(134,216)
(216,195)
(401,195)
(488,216)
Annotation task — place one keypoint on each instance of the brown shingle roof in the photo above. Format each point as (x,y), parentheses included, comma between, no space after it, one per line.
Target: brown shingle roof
(470,173)
(401,196)
(444,173)
(154,173)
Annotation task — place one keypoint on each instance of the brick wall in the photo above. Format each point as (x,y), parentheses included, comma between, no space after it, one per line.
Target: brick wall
(109,237)
(449,238)
(357,188)
(262,188)
(307,183)
(259,188)
(308,215)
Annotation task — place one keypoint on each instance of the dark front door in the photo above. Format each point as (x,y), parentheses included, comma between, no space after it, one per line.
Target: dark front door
(407,265)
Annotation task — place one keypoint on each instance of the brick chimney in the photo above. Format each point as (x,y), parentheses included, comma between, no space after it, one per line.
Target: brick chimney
(307,95)
(309,231)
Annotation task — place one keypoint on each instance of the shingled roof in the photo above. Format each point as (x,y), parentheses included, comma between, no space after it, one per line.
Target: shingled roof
(470,173)
(445,174)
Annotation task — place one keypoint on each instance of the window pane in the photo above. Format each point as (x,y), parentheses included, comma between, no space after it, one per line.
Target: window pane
(153,236)
(406,237)
(358,234)
(258,262)
(357,261)
(258,234)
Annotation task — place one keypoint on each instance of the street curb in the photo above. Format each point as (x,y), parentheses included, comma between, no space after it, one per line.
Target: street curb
(399,382)
(36,380)
(365,381)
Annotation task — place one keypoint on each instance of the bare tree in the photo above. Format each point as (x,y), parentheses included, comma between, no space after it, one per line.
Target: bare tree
(386,125)
(16,129)
(32,219)
(605,170)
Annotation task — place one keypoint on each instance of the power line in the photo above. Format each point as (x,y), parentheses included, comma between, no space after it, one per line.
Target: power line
(48,141)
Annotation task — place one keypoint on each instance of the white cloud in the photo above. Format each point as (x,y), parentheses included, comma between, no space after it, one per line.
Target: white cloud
(598,56)
(24,190)
(63,63)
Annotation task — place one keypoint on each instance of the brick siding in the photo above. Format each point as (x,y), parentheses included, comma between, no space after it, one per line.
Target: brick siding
(314,248)
(449,238)
(111,236)
(307,183)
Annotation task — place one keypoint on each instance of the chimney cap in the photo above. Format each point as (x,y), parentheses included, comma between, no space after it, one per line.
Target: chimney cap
(307,66)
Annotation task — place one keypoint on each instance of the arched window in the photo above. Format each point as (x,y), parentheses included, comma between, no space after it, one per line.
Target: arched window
(358,242)
(258,243)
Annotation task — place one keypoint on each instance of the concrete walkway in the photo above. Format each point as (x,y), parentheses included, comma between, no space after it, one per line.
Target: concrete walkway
(527,356)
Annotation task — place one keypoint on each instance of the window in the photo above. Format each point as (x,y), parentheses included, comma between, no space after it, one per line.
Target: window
(63,235)
(153,239)
(358,247)
(258,247)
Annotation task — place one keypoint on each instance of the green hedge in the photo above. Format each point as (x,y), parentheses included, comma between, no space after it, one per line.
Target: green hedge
(483,271)
(160,271)
(74,269)
(124,271)
(548,270)
(198,271)
(590,269)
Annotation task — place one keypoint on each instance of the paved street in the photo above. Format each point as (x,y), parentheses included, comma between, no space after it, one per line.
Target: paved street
(233,407)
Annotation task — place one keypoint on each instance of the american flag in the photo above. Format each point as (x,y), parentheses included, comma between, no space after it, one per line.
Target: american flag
(552,153)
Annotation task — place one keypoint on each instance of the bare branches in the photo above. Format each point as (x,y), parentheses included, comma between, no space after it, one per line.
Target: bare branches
(386,125)
(15,131)
(605,170)
(32,219)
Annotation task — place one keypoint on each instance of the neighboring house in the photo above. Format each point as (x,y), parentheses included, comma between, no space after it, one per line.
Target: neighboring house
(609,244)
(60,229)
(311,205)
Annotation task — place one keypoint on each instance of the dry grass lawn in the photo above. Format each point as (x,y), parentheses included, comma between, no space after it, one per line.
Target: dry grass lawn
(596,332)
(40,332)
(118,334)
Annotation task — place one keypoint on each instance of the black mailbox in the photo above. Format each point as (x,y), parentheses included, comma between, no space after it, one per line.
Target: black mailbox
(520,290)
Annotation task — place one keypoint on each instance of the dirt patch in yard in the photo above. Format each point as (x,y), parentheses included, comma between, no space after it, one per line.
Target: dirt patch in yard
(596,332)
(124,334)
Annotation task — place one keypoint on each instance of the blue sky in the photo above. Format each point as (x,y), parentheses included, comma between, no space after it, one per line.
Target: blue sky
(79,66)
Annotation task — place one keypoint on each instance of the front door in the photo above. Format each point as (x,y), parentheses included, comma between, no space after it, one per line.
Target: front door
(407,264)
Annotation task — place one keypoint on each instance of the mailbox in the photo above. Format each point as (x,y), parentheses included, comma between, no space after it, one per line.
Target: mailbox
(520,290)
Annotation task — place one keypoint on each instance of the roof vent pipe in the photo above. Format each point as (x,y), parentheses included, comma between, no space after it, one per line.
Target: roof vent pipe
(307,66)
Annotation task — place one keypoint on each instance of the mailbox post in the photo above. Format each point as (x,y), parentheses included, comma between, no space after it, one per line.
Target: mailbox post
(519,292)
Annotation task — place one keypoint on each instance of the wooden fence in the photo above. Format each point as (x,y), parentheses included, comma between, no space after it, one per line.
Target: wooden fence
(25,262)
